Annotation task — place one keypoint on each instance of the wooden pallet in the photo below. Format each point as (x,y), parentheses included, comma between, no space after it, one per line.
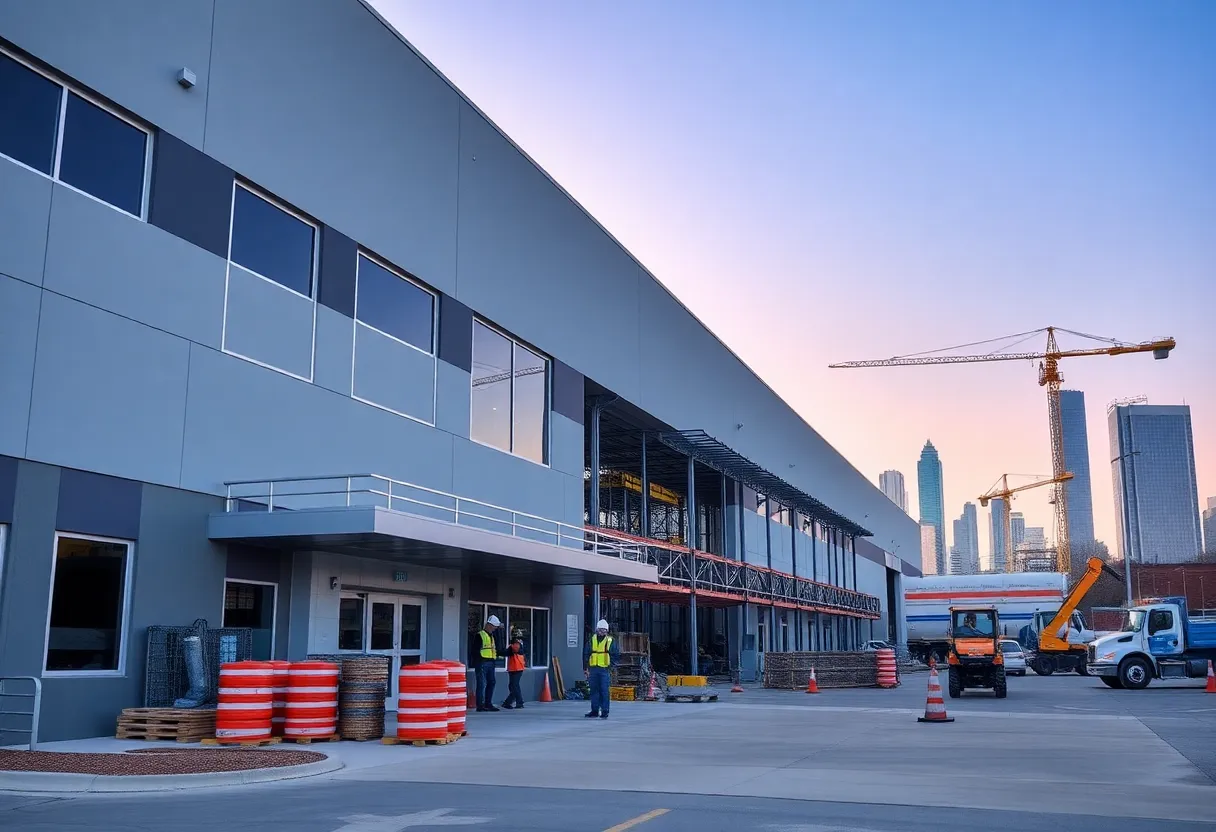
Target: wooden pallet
(448,740)
(710,697)
(307,740)
(242,743)
(177,724)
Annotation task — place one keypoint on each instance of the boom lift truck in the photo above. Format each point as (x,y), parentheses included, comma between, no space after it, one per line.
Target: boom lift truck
(1055,652)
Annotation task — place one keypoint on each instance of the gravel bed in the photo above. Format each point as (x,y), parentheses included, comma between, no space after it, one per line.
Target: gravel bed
(155,761)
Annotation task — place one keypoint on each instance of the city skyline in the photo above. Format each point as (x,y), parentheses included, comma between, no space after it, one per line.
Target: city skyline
(998,548)
(1085,205)
(965,553)
(1156,498)
(931,497)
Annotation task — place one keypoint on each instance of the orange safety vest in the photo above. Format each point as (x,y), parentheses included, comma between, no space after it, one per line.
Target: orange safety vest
(515,661)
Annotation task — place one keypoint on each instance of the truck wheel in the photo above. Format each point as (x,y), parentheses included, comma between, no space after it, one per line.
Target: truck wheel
(1134,673)
(956,683)
(1112,682)
(998,684)
(1081,669)
(1044,666)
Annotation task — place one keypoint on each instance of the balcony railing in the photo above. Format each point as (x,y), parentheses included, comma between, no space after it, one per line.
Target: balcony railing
(376,490)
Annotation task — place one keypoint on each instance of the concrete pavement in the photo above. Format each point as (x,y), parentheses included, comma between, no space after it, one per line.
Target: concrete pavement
(1058,750)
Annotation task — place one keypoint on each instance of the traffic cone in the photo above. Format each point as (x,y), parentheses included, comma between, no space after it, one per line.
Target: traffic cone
(935,707)
(812,686)
(545,696)
(652,693)
(738,688)
(1211,688)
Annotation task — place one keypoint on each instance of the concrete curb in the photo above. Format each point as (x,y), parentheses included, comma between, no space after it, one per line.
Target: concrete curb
(39,782)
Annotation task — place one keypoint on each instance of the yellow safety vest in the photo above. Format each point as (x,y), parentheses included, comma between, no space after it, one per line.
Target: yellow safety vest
(488,651)
(599,652)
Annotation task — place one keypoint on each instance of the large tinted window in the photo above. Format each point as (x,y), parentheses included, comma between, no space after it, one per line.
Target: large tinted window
(530,415)
(103,155)
(271,242)
(29,115)
(491,397)
(87,601)
(394,305)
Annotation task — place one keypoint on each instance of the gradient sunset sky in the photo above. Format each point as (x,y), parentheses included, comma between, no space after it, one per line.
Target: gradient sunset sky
(821,182)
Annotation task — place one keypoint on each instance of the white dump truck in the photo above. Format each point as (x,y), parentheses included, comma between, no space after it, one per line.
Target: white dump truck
(1025,603)
(1158,640)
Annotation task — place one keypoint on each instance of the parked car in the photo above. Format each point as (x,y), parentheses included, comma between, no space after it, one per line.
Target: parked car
(1015,658)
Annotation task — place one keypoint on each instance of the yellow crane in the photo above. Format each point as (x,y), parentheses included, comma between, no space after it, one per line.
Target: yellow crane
(1049,377)
(1002,491)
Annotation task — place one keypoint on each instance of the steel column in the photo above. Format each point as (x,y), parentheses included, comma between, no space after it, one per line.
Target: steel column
(594,506)
(645,491)
(691,503)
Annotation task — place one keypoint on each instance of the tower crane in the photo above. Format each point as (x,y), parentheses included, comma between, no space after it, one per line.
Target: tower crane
(1002,491)
(1049,377)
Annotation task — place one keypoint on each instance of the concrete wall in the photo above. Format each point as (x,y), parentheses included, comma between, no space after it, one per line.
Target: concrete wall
(171,550)
(436,190)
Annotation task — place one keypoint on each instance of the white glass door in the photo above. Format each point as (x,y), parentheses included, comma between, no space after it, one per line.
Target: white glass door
(395,627)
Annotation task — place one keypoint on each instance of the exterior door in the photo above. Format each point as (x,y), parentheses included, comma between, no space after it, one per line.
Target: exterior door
(384,625)
(1164,632)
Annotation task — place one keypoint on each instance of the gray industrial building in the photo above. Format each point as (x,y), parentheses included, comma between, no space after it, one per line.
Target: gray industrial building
(293,338)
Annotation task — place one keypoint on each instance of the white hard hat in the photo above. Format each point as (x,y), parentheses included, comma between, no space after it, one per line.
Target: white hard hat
(602,625)
(493,619)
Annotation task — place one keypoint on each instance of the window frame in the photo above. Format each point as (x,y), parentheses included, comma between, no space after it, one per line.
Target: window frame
(274,606)
(314,281)
(375,259)
(124,620)
(66,88)
(532,608)
(3,553)
(547,444)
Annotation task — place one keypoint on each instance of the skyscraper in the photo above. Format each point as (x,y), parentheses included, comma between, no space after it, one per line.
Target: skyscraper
(929,549)
(1209,527)
(1079,490)
(1156,496)
(932,500)
(999,550)
(892,484)
(965,554)
(1017,528)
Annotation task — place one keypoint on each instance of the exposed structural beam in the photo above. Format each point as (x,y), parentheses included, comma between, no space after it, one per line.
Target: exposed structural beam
(692,554)
(497,377)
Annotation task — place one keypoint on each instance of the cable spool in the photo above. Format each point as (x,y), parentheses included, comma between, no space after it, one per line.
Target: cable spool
(361,697)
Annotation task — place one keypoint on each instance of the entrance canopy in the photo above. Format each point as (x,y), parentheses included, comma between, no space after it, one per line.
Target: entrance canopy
(373,516)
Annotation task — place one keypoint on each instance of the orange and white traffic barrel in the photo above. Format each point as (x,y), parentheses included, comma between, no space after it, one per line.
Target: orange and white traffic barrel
(312,700)
(457,696)
(422,702)
(887,676)
(245,702)
(278,718)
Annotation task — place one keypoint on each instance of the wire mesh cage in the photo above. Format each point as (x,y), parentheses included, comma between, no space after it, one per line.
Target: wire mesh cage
(165,676)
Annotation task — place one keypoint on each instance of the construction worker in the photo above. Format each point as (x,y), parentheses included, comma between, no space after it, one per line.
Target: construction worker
(515,671)
(599,655)
(486,659)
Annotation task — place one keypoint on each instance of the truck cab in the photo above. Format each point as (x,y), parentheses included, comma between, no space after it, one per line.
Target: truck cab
(1157,640)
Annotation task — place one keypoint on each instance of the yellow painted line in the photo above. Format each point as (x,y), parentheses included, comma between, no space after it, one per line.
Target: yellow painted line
(638,821)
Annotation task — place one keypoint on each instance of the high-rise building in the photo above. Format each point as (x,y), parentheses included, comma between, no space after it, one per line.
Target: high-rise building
(1035,537)
(932,500)
(998,546)
(892,484)
(1078,490)
(965,554)
(1156,495)
(1209,527)
(929,556)
(1017,528)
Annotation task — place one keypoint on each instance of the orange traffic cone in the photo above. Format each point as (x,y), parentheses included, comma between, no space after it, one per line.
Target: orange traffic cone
(935,707)
(738,688)
(812,686)
(652,693)
(1211,688)
(545,696)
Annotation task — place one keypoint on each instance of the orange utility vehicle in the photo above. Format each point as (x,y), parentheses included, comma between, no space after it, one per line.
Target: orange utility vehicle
(974,655)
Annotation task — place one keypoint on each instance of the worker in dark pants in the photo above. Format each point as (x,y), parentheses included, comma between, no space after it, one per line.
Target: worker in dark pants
(516,662)
(600,654)
(487,663)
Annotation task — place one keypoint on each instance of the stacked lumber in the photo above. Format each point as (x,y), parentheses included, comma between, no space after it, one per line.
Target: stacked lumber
(792,671)
(178,724)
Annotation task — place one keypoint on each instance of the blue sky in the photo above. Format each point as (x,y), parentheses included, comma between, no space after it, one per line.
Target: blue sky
(828,181)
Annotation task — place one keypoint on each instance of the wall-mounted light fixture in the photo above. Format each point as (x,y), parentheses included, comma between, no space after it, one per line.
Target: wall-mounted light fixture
(333,582)
(451,592)
(186,78)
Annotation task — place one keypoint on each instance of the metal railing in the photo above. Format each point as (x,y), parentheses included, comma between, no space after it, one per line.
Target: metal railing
(376,490)
(33,713)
